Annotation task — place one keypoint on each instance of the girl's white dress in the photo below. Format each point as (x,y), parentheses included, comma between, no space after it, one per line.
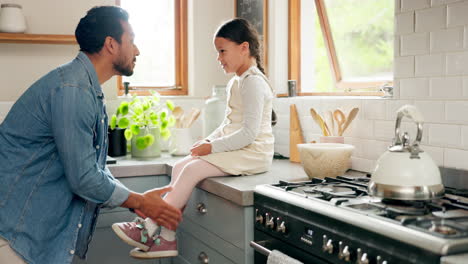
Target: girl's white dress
(244,144)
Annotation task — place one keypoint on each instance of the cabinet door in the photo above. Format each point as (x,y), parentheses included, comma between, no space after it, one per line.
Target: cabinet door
(106,247)
(194,250)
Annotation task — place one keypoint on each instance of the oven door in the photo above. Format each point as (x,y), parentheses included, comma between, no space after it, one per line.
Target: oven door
(264,243)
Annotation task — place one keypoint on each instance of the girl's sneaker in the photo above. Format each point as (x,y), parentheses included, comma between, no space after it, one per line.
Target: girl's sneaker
(161,248)
(134,233)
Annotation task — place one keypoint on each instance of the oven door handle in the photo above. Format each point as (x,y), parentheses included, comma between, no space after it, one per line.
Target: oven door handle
(260,248)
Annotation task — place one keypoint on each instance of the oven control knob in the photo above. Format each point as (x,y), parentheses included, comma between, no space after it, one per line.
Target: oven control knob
(362,257)
(327,245)
(269,221)
(380,260)
(258,217)
(281,227)
(344,253)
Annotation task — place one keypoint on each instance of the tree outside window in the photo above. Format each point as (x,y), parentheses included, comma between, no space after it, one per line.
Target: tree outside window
(349,48)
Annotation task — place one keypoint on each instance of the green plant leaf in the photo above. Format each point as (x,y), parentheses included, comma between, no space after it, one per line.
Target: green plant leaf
(170,105)
(153,116)
(165,134)
(141,142)
(164,124)
(171,121)
(146,106)
(113,122)
(149,139)
(123,108)
(128,134)
(124,122)
(163,115)
(135,129)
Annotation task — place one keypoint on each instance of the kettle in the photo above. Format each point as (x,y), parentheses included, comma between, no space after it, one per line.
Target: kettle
(405,171)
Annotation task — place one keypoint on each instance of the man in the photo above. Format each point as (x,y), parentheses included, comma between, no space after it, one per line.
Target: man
(53,148)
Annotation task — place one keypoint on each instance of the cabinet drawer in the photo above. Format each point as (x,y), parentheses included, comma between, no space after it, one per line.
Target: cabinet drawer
(193,251)
(217,215)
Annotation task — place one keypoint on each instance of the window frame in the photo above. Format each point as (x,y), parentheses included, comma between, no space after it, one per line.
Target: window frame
(294,56)
(181,59)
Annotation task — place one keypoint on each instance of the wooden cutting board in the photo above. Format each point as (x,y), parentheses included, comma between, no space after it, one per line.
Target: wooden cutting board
(295,134)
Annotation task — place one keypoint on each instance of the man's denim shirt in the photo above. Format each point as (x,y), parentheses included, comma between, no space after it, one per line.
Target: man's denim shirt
(53,174)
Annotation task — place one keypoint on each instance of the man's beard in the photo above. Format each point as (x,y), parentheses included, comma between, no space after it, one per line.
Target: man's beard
(123,69)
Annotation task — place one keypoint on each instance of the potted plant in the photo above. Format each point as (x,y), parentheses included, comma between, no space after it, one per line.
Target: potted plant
(146,121)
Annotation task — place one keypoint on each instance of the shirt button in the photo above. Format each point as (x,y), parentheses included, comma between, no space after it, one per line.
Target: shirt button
(72,251)
(97,147)
(102,120)
(80,225)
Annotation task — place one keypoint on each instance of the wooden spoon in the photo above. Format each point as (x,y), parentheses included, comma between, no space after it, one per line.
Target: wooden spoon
(319,120)
(194,114)
(352,114)
(340,119)
(178,112)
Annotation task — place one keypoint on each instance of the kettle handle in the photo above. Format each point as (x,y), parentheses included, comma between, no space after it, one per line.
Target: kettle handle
(411,112)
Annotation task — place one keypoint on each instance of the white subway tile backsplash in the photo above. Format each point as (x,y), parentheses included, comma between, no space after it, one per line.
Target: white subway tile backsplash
(373,109)
(456,111)
(447,39)
(456,158)
(444,135)
(361,129)
(432,111)
(436,153)
(465,86)
(457,63)
(407,5)
(456,14)
(404,23)
(414,88)
(384,130)
(430,65)
(442,2)
(396,46)
(361,164)
(446,87)
(431,19)
(414,44)
(464,137)
(373,149)
(403,67)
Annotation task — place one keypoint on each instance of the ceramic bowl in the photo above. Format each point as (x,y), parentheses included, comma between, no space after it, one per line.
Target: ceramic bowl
(321,160)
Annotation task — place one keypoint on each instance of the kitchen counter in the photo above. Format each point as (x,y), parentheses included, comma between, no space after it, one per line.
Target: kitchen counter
(238,189)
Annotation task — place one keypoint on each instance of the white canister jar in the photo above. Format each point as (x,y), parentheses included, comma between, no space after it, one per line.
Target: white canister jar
(215,108)
(12,19)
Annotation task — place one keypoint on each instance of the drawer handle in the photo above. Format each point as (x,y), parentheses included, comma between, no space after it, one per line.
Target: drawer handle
(201,208)
(203,258)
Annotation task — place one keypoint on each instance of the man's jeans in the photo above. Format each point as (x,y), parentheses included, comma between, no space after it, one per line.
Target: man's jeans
(7,255)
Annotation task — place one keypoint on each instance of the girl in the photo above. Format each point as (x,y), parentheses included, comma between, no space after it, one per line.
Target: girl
(241,145)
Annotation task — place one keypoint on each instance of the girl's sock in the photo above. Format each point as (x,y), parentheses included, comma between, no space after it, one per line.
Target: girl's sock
(167,234)
(151,226)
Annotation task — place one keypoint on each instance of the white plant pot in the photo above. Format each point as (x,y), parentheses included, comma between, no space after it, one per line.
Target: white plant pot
(152,151)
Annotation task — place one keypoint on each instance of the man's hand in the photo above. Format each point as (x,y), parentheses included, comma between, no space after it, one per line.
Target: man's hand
(201,150)
(150,204)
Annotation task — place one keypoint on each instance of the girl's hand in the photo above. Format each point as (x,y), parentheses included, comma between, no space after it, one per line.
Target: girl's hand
(201,150)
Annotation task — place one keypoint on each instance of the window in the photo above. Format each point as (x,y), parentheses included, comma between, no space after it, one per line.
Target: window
(346,46)
(161,36)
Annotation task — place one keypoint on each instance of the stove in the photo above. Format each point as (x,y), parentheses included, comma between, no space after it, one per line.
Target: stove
(334,220)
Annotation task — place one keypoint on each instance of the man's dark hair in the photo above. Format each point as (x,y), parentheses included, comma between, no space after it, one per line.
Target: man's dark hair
(99,23)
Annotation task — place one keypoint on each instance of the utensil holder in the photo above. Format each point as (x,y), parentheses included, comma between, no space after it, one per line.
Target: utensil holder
(331,139)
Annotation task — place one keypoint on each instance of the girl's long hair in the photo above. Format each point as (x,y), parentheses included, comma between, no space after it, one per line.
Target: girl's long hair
(239,30)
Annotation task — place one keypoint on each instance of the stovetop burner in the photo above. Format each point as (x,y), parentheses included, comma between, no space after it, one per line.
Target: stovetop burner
(435,216)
